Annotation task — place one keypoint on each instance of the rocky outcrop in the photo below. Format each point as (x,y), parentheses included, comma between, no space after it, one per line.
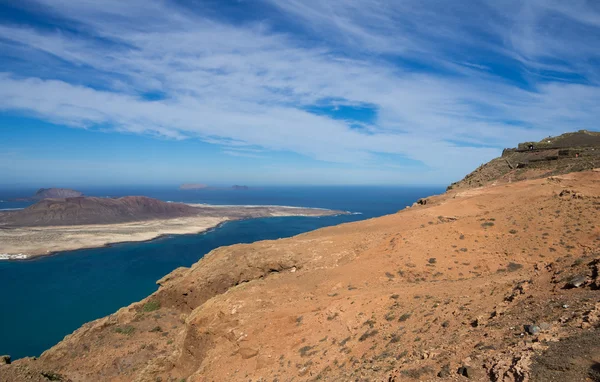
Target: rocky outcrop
(570,152)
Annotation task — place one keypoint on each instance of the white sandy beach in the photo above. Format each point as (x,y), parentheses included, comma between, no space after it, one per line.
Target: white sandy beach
(25,242)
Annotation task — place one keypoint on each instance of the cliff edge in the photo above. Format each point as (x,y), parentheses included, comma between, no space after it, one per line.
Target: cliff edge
(570,152)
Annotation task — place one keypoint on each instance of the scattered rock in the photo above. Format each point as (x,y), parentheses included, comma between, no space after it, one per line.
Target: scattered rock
(4,360)
(510,369)
(445,371)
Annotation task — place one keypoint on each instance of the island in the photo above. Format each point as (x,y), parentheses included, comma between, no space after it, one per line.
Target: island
(193,186)
(63,224)
(47,193)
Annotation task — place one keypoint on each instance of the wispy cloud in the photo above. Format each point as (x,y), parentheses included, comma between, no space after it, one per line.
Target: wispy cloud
(424,65)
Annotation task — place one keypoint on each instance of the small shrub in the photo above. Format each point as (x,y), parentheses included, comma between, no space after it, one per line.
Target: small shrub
(512,267)
(487,224)
(367,334)
(432,260)
(305,351)
(151,306)
(513,231)
(404,317)
(51,376)
(126,330)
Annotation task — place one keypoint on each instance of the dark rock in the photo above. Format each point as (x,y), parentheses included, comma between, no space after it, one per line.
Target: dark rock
(444,372)
(5,360)
(576,281)
(466,371)
(422,202)
(532,329)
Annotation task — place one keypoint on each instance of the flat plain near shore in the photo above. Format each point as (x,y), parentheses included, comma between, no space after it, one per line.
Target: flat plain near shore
(19,243)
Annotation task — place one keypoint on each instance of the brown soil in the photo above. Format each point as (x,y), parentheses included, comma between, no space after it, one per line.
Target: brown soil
(490,284)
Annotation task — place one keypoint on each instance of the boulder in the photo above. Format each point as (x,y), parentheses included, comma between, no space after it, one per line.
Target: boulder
(467,371)
(576,281)
(4,360)
(532,329)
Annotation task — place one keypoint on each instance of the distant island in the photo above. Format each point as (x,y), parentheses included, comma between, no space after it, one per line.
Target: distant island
(192,186)
(52,193)
(200,186)
(61,224)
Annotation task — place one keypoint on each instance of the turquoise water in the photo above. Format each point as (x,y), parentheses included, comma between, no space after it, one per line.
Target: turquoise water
(45,299)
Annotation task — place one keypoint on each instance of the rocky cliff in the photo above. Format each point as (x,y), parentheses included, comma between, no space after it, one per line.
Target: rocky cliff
(499,283)
(570,152)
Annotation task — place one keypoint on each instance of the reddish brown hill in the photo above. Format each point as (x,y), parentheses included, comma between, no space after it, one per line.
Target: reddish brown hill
(91,210)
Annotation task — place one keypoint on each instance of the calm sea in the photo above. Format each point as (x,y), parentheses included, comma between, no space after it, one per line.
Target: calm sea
(45,299)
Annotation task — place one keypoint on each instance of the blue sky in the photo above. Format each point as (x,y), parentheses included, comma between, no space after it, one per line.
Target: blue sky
(286,92)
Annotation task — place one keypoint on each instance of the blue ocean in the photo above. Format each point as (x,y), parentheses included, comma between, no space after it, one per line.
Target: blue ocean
(45,299)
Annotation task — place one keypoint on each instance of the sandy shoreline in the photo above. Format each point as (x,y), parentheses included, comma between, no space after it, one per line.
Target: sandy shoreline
(23,243)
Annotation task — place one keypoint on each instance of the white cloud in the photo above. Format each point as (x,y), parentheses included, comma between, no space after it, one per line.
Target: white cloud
(248,86)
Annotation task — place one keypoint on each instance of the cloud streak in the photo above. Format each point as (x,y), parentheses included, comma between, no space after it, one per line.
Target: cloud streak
(252,84)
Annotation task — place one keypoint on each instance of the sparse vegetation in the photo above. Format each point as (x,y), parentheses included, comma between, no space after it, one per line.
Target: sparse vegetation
(151,306)
(367,334)
(512,267)
(126,330)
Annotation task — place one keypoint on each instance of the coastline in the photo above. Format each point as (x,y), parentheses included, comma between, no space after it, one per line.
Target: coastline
(29,243)
(336,274)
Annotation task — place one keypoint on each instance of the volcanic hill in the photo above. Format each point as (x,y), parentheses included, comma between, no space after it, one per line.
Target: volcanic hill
(92,210)
(497,283)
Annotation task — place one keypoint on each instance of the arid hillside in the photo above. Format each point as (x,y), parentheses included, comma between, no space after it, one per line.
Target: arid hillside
(491,284)
(570,152)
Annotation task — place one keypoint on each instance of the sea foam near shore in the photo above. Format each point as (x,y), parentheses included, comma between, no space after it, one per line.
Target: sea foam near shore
(19,256)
